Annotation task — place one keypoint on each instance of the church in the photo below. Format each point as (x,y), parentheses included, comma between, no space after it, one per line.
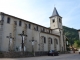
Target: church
(17,34)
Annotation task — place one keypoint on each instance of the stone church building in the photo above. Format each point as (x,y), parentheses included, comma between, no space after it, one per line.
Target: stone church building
(17,34)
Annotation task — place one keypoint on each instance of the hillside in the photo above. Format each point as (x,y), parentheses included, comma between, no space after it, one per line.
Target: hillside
(71,33)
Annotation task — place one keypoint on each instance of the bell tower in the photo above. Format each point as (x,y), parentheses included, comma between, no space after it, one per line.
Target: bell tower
(56,25)
(55,20)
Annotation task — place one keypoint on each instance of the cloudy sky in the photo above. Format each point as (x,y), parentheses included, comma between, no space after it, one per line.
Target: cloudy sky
(39,11)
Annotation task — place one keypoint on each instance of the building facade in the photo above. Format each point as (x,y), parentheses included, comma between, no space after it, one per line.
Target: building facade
(35,37)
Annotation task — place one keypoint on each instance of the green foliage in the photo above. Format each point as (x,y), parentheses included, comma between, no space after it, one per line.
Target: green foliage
(71,33)
(77,44)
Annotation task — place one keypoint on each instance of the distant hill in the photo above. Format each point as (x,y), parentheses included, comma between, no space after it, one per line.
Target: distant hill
(71,33)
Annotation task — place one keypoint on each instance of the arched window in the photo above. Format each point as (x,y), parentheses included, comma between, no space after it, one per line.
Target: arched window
(44,39)
(53,20)
(59,20)
(8,20)
(56,41)
(50,40)
(29,25)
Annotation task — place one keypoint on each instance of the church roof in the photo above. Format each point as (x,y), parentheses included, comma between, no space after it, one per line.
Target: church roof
(55,12)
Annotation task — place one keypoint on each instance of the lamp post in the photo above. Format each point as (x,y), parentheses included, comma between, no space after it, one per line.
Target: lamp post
(23,36)
(10,41)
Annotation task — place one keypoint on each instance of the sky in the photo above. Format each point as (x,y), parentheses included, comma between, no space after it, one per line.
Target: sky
(39,11)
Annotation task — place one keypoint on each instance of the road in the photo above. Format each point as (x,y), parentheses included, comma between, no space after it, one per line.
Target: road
(75,56)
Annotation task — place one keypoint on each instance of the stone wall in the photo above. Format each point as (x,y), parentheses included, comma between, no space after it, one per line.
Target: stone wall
(21,54)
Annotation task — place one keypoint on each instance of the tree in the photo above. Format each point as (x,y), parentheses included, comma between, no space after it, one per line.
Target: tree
(71,34)
(76,44)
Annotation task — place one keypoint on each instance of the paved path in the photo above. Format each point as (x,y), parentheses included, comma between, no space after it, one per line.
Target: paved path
(75,56)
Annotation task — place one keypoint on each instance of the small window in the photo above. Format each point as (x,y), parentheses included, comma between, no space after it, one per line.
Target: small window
(44,40)
(53,20)
(37,28)
(29,26)
(3,17)
(43,29)
(49,31)
(20,23)
(26,25)
(51,41)
(56,41)
(59,20)
(8,20)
